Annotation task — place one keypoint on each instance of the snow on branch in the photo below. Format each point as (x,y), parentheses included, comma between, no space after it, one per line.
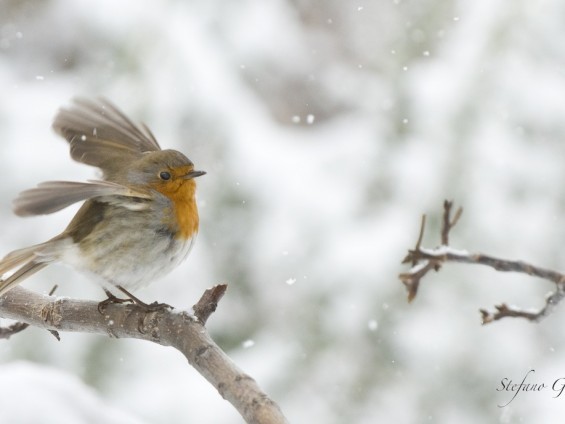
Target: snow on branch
(423,260)
(179,329)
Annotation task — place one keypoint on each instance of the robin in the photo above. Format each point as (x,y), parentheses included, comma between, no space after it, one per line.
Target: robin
(136,224)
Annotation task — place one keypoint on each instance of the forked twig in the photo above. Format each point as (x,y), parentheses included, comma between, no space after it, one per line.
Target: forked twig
(423,260)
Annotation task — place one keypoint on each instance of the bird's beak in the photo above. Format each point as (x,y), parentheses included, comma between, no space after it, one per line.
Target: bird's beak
(193,174)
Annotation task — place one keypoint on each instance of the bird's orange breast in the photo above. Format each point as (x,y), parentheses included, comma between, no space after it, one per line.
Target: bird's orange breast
(185,210)
(184,214)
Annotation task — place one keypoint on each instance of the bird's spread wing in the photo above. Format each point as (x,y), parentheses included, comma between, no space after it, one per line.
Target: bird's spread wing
(101,135)
(52,196)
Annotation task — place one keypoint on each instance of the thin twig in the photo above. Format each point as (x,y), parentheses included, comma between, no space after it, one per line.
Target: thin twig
(446,227)
(420,238)
(448,222)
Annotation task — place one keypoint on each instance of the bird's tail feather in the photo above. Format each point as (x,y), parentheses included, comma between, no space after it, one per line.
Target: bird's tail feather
(26,261)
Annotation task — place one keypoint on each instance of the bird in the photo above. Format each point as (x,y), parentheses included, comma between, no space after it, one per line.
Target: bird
(137,223)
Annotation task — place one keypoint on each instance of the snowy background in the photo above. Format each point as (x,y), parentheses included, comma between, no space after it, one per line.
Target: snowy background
(327,128)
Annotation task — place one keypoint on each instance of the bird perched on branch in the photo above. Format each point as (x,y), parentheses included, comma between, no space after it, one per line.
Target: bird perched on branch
(136,224)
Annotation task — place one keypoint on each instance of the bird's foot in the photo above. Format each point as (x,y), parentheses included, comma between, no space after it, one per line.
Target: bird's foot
(112,299)
(148,307)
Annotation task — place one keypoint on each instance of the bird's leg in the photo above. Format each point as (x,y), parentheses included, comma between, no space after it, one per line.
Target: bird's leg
(149,307)
(111,299)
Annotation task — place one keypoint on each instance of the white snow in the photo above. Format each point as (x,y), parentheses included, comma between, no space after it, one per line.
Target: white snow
(36,394)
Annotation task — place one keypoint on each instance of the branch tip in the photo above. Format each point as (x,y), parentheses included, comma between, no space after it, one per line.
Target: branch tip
(208,303)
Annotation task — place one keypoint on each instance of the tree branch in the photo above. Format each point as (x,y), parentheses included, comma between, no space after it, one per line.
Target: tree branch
(175,328)
(423,260)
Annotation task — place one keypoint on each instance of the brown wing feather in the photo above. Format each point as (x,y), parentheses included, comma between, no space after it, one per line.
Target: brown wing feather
(52,196)
(101,135)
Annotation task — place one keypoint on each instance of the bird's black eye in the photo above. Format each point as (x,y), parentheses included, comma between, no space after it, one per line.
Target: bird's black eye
(165,175)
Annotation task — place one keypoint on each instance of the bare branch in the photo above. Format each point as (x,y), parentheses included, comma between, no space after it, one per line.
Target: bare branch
(503,310)
(447,254)
(173,328)
(423,260)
